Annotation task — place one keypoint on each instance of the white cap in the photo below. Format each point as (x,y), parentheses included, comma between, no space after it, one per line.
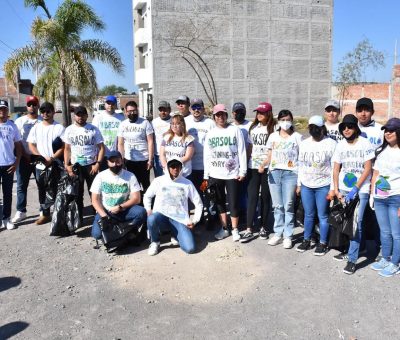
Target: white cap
(316,120)
(332,102)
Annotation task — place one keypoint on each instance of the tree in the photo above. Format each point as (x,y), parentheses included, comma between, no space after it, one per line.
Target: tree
(352,68)
(112,89)
(59,56)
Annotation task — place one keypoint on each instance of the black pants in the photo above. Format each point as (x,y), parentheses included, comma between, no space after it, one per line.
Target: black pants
(139,169)
(257,180)
(232,190)
(84,175)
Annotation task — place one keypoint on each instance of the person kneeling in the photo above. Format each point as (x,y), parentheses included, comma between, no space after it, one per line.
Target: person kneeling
(170,210)
(116,194)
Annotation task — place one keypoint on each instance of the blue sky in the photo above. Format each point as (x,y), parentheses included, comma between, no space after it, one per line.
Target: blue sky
(354,20)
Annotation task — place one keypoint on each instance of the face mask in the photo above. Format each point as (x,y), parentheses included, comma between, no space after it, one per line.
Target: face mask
(116,168)
(315,132)
(133,118)
(239,117)
(285,125)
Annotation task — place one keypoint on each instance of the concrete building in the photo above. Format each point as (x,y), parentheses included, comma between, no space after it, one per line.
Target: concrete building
(257,50)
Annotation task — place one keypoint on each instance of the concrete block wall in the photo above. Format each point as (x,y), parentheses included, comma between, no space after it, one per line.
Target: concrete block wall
(258,50)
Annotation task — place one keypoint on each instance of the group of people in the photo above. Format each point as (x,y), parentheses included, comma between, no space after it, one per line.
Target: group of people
(252,168)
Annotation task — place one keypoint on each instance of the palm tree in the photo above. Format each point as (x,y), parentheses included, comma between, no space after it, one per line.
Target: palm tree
(59,56)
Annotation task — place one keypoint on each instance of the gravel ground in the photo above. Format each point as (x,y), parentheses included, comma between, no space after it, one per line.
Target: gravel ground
(62,288)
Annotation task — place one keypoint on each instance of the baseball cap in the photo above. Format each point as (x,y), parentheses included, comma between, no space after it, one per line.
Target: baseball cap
(183,99)
(197,101)
(238,106)
(263,107)
(316,120)
(114,153)
(174,161)
(112,99)
(332,102)
(219,108)
(32,99)
(365,102)
(46,106)
(392,124)
(164,103)
(80,110)
(3,103)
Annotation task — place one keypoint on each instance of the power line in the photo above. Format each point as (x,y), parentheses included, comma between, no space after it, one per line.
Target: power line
(8,46)
(17,14)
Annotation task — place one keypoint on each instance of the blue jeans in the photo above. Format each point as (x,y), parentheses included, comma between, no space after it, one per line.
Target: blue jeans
(157,168)
(135,214)
(7,181)
(356,240)
(315,202)
(24,172)
(386,211)
(158,222)
(282,185)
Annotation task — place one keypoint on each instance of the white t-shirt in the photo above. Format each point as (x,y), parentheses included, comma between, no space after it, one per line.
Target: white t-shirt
(199,130)
(9,134)
(160,126)
(176,148)
(285,151)
(43,136)
(135,139)
(373,133)
(388,165)
(24,125)
(333,131)
(225,153)
(315,162)
(114,189)
(258,138)
(84,141)
(108,126)
(352,157)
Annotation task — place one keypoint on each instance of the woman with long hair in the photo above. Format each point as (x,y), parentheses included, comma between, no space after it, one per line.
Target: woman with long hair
(385,188)
(177,143)
(257,174)
(283,151)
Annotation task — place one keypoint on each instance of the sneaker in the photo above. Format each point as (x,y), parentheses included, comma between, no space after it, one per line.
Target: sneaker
(390,270)
(274,240)
(287,243)
(174,241)
(154,248)
(19,216)
(320,249)
(350,268)
(235,235)
(305,245)
(262,234)
(341,257)
(8,224)
(380,265)
(246,237)
(222,233)
(43,219)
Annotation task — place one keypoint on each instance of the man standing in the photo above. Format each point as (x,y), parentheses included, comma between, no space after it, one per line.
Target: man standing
(10,141)
(108,123)
(25,168)
(170,211)
(160,125)
(369,128)
(136,143)
(183,104)
(332,112)
(44,140)
(83,146)
(116,194)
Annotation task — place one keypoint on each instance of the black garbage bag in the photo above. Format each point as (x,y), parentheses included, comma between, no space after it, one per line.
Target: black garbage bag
(66,219)
(344,216)
(299,212)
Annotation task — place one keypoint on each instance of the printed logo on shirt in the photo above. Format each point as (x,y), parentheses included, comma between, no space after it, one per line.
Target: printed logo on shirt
(350,180)
(222,141)
(382,186)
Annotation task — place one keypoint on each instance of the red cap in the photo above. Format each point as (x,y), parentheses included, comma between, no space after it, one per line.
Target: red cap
(34,99)
(263,107)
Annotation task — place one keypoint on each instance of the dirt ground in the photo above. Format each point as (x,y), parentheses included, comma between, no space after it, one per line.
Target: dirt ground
(62,288)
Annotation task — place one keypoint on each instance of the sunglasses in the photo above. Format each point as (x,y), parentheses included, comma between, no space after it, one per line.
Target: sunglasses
(331,109)
(31,104)
(196,107)
(349,126)
(46,111)
(132,111)
(110,103)
(220,114)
